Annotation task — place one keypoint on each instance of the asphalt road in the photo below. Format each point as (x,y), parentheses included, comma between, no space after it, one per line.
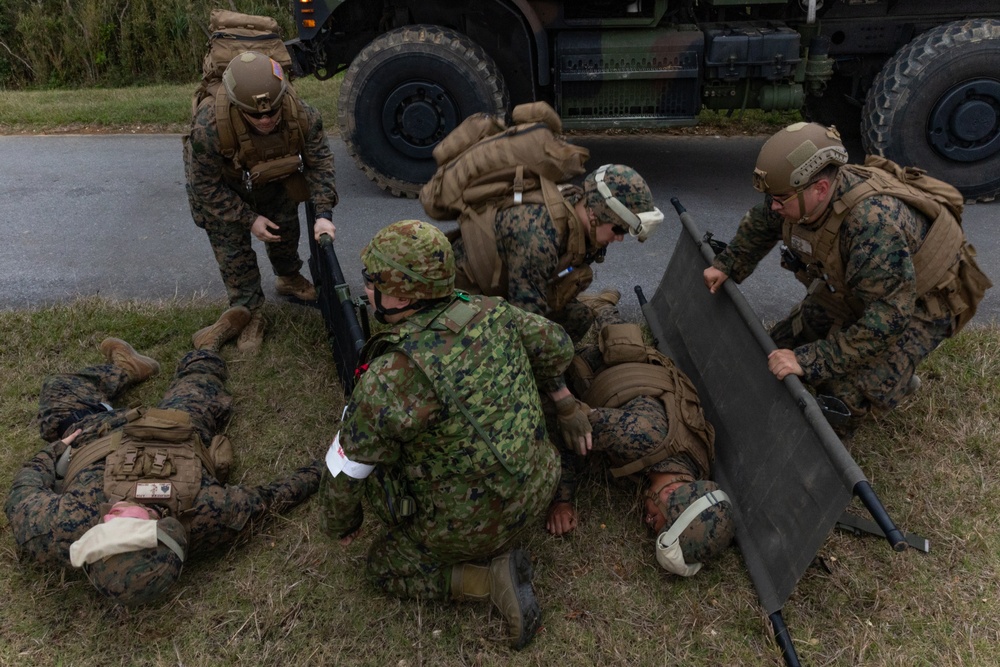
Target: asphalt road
(85,215)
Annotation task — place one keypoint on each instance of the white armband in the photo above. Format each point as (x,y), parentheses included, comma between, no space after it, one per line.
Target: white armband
(337,462)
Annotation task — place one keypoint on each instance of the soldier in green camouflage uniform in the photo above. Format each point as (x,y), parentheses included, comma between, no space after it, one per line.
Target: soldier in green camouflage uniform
(614,201)
(867,361)
(447,423)
(229,211)
(635,430)
(76,406)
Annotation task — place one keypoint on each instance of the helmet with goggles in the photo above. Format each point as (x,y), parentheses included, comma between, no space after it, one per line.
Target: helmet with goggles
(792,158)
(699,527)
(619,196)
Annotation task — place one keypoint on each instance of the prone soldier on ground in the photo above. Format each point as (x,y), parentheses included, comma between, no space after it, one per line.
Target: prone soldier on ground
(444,432)
(254,152)
(129,495)
(888,270)
(647,420)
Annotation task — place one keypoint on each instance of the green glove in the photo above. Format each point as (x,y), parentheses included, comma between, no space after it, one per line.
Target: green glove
(573,424)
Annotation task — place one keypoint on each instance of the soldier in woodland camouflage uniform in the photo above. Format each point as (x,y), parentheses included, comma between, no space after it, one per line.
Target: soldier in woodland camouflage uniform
(858,338)
(64,526)
(281,157)
(636,436)
(447,423)
(613,202)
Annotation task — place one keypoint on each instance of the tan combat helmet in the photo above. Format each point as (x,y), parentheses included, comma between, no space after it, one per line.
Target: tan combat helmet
(790,159)
(255,83)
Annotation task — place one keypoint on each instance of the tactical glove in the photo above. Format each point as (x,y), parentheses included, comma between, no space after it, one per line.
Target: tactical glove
(573,424)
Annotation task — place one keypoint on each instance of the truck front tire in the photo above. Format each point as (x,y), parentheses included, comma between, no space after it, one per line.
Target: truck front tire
(936,105)
(404,92)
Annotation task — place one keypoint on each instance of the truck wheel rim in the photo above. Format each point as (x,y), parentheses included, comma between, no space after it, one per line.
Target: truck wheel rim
(416,116)
(963,126)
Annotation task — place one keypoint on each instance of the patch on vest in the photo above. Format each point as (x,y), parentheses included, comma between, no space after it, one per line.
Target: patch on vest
(800,244)
(154,490)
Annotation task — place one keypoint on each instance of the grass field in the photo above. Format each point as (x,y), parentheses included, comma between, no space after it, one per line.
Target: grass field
(290,596)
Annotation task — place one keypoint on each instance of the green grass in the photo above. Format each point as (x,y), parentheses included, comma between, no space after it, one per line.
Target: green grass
(290,596)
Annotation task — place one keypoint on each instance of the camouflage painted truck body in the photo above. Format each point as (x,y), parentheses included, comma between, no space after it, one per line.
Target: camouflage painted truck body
(915,80)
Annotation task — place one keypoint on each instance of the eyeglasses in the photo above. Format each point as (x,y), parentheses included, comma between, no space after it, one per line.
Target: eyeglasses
(258,115)
(367,278)
(771,200)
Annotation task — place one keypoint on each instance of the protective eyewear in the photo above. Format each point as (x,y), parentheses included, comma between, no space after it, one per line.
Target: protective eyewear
(258,115)
(367,278)
(782,201)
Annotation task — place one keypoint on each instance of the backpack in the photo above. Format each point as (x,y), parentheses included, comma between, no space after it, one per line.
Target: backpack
(230,34)
(485,166)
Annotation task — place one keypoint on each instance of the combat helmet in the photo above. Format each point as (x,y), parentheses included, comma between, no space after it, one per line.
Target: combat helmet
(790,159)
(132,561)
(618,195)
(699,527)
(410,259)
(255,83)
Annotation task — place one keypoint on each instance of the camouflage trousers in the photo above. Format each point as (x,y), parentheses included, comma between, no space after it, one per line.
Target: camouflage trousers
(73,400)
(878,383)
(576,318)
(237,259)
(624,435)
(460,521)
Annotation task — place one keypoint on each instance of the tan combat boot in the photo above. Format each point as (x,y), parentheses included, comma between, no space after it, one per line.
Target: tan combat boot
(506,581)
(138,367)
(229,324)
(601,300)
(295,285)
(252,337)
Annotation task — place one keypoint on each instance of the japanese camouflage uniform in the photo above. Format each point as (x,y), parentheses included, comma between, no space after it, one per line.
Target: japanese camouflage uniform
(225,207)
(867,355)
(448,413)
(46,521)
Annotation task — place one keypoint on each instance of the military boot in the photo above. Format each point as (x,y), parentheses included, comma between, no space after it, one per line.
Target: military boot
(506,581)
(229,324)
(295,285)
(603,299)
(252,337)
(138,367)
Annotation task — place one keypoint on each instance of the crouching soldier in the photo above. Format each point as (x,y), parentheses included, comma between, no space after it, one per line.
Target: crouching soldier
(128,495)
(647,419)
(444,431)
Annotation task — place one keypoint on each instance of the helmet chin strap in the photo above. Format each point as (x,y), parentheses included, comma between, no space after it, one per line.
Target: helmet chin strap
(381,312)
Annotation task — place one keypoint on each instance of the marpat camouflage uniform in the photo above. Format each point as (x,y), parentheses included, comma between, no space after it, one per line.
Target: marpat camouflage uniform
(226,210)
(530,246)
(468,506)
(867,362)
(45,523)
(628,433)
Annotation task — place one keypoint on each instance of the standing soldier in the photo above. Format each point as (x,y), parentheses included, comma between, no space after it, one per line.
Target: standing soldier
(128,494)
(648,421)
(546,253)
(447,422)
(887,266)
(255,152)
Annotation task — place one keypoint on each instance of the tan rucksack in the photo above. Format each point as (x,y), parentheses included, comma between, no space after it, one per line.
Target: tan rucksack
(485,166)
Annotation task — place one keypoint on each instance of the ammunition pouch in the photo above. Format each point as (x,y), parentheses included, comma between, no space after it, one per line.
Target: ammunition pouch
(622,343)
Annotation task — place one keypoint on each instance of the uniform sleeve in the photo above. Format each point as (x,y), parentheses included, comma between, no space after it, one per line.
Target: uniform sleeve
(208,193)
(549,348)
(318,159)
(758,232)
(224,513)
(391,405)
(530,252)
(878,271)
(45,523)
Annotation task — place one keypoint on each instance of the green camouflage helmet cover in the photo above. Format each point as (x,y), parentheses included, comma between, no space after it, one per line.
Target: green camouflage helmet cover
(141,577)
(618,195)
(255,83)
(410,259)
(709,532)
(790,159)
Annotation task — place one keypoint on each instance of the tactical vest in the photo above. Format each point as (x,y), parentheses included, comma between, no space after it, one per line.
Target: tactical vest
(469,352)
(948,279)
(485,167)
(155,459)
(254,160)
(633,369)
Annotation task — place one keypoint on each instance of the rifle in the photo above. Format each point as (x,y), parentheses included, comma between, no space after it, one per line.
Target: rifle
(346,319)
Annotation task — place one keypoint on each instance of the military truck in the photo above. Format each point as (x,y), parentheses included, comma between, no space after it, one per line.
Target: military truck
(915,80)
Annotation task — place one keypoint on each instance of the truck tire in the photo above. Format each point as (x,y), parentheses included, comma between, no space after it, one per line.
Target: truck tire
(936,105)
(404,92)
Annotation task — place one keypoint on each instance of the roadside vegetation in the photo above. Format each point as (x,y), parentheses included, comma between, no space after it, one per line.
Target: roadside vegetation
(291,596)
